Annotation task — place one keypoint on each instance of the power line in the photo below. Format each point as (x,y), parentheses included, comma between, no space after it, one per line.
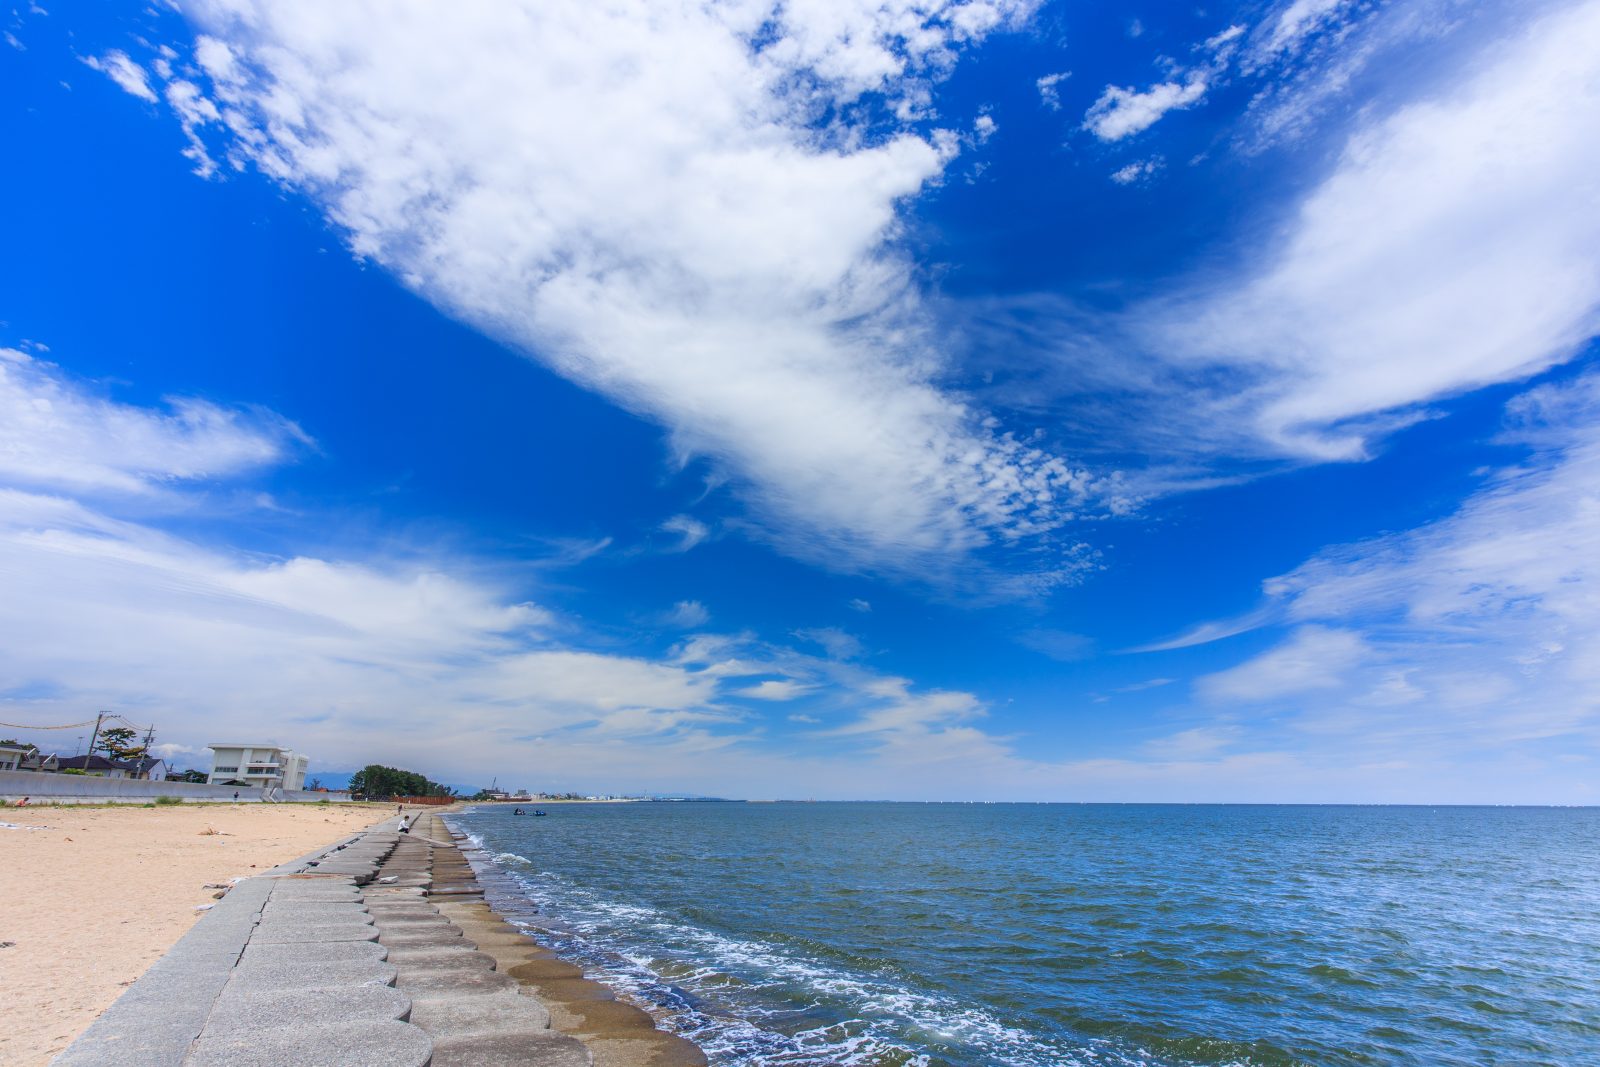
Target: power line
(69,726)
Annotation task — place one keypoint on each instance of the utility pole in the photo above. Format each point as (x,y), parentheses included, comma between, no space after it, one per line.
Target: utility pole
(149,736)
(98,719)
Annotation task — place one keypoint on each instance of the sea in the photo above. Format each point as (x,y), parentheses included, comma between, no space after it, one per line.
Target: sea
(1061,934)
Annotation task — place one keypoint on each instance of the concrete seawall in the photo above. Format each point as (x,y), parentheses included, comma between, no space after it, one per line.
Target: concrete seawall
(87,789)
(376,951)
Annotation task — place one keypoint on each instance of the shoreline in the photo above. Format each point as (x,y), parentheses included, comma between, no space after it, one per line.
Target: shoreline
(617,1033)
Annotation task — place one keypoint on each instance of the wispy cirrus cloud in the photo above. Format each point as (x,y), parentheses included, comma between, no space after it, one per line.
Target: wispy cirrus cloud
(1475,631)
(130,76)
(1393,286)
(54,433)
(776,689)
(685,238)
(1387,287)
(689,530)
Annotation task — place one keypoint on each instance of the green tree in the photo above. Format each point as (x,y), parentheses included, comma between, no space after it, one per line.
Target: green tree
(376,780)
(118,743)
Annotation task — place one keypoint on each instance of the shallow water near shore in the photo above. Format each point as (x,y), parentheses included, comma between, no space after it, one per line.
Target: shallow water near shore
(1094,935)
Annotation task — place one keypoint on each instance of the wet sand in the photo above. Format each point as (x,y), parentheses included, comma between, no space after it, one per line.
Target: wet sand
(91,897)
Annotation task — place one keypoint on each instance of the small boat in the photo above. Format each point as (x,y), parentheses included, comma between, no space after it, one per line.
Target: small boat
(537,812)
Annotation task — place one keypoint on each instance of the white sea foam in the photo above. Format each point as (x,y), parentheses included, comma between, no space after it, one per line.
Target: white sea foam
(741,999)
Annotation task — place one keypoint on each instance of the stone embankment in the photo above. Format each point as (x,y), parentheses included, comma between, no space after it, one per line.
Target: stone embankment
(376,951)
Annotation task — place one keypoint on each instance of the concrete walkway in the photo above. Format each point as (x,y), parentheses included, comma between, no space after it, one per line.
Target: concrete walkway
(352,956)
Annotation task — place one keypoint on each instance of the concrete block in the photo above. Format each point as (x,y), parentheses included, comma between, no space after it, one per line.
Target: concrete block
(316,898)
(454,961)
(312,907)
(535,1048)
(314,952)
(316,912)
(372,1044)
(458,983)
(433,935)
(413,907)
(446,1016)
(412,916)
(242,1009)
(422,953)
(310,974)
(285,932)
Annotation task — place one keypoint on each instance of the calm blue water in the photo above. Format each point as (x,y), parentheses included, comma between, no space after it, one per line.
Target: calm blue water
(1064,934)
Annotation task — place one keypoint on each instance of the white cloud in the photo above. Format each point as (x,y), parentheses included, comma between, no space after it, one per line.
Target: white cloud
(1477,632)
(125,72)
(1297,19)
(690,530)
(984,126)
(916,718)
(1138,171)
(1207,632)
(1453,246)
(1201,742)
(194,111)
(1122,112)
(687,615)
(54,433)
(1049,91)
(1139,687)
(677,236)
(860,605)
(1222,44)
(1314,657)
(775,689)
(837,643)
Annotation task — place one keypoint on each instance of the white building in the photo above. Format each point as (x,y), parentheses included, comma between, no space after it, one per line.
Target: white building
(261,766)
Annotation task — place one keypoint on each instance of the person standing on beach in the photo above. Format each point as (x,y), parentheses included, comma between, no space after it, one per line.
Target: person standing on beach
(236,796)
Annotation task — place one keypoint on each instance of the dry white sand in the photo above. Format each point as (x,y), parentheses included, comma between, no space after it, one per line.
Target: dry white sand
(91,897)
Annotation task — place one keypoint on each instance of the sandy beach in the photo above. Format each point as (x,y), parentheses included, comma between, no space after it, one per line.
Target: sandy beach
(93,896)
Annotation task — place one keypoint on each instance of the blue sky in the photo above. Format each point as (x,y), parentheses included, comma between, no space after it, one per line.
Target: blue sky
(978,400)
